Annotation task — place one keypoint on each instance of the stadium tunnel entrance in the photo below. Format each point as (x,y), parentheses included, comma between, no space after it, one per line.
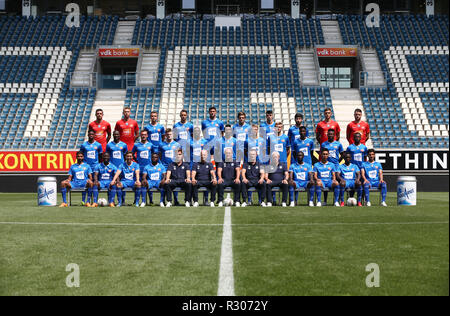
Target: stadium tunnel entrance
(339,72)
(116,73)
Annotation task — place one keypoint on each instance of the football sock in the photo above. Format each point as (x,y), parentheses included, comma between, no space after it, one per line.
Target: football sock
(359,191)
(383,192)
(336,194)
(64,194)
(311,193)
(83,196)
(123,196)
(342,191)
(150,196)
(319,193)
(95,190)
(366,192)
(89,195)
(137,193)
(144,195)
(112,194)
(325,196)
(291,194)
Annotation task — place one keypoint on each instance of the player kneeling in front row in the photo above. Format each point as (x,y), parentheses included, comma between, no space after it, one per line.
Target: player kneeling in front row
(277,175)
(178,175)
(372,174)
(203,175)
(325,177)
(80,177)
(153,178)
(129,178)
(228,174)
(348,175)
(103,175)
(301,176)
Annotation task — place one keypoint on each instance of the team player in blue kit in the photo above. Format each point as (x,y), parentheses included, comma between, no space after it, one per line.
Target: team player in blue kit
(80,177)
(117,150)
(348,175)
(153,177)
(324,177)
(103,175)
(92,151)
(301,176)
(129,174)
(372,175)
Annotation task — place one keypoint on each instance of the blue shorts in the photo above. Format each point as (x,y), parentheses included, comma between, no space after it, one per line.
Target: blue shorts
(327,184)
(128,183)
(153,185)
(104,184)
(349,184)
(374,184)
(301,184)
(78,184)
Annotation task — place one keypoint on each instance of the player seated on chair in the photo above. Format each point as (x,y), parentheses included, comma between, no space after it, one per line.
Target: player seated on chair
(80,177)
(277,175)
(129,178)
(228,174)
(372,175)
(153,178)
(253,176)
(301,176)
(103,175)
(349,177)
(325,177)
(203,175)
(178,175)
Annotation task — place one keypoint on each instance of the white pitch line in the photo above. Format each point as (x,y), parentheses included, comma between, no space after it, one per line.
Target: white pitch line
(226,276)
(242,225)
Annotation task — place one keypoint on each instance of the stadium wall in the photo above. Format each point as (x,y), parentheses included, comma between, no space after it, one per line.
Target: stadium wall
(27,183)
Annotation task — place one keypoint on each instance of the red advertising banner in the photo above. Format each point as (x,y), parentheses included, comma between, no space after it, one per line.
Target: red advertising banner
(36,161)
(118,52)
(337,52)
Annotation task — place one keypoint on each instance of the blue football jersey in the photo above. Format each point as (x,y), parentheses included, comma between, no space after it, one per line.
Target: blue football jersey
(348,172)
(80,173)
(335,148)
(105,173)
(305,146)
(155,134)
(372,171)
(117,152)
(143,153)
(267,130)
(359,154)
(168,152)
(183,131)
(196,149)
(279,144)
(91,152)
(241,132)
(128,172)
(294,133)
(212,129)
(155,172)
(301,172)
(324,171)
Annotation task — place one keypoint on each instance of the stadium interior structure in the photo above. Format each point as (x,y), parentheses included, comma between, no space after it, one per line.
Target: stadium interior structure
(52,77)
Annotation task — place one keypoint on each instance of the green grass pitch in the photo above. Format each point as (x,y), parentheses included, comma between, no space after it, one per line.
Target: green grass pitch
(176,251)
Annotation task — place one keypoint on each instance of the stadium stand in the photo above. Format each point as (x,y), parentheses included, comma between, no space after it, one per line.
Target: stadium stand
(250,68)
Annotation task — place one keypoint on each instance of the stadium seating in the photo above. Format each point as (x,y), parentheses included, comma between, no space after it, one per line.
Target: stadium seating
(250,68)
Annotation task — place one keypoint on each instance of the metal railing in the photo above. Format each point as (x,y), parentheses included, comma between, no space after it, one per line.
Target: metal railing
(309,74)
(227,9)
(83,79)
(372,78)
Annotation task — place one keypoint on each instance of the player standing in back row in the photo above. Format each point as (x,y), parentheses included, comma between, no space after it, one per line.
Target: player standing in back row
(101,128)
(324,126)
(128,129)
